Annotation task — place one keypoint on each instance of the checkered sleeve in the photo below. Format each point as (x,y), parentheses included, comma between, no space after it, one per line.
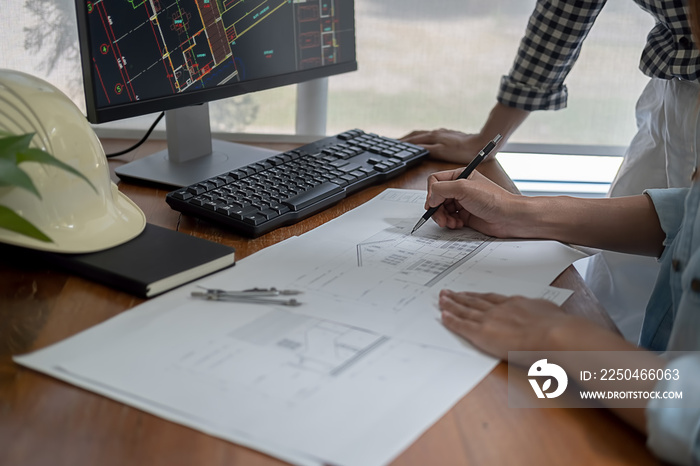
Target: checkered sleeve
(670,51)
(548,51)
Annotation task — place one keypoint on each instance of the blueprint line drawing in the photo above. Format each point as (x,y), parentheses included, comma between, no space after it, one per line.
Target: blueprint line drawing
(422,260)
(390,269)
(298,348)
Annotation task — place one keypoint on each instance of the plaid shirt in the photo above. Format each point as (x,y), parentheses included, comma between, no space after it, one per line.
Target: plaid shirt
(553,40)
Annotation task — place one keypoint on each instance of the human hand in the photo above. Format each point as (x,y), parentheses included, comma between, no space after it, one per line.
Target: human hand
(476,202)
(497,324)
(448,145)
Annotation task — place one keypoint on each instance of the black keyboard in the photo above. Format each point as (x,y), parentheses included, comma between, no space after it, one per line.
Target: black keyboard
(293,185)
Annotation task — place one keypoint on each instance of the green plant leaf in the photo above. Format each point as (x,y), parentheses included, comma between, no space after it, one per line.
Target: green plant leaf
(37,155)
(13,222)
(13,151)
(12,175)
(11,145)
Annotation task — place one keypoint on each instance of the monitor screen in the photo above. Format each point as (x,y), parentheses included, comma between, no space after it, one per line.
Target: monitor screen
(145,56)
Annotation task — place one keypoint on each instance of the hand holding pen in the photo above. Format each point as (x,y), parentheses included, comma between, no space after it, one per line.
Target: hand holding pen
(483,153)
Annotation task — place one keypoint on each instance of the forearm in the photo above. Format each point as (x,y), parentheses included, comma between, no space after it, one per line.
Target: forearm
(625,224)
(502,120)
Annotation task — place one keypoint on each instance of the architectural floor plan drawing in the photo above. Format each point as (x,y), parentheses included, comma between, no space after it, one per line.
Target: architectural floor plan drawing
(301,354)
(421,260)
(391,268)
(313,344)
(303,389)
(378,251)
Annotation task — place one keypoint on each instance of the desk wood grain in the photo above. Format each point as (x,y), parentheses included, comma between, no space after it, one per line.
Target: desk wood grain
(44,421)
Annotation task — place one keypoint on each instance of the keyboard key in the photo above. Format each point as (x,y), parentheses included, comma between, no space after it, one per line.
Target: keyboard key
(403,155)
(255,219)
(217,181)
(183,195)
(279,208)
(211,205)
(339,181)
(197,201)
(197,189)
(351,167)
(312,196)
(269,213)
(241,213)
(225,209)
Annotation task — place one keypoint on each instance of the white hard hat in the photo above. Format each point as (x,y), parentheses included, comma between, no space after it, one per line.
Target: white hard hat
(75,216)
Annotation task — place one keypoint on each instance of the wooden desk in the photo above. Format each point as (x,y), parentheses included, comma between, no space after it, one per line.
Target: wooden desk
(44,421)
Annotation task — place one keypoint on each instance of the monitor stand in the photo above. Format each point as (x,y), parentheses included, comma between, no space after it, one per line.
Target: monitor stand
(192,155)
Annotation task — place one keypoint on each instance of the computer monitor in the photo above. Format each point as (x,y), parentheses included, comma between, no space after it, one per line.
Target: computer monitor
(145,56)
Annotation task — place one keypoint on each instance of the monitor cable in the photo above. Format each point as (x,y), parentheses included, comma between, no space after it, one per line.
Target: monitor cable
(143,139)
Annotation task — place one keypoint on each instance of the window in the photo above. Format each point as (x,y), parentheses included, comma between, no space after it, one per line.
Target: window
(421,65)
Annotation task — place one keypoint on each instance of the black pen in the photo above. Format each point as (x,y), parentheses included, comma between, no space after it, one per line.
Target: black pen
(465,173)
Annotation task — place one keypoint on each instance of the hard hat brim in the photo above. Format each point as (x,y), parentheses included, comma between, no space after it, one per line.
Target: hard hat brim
(117,226)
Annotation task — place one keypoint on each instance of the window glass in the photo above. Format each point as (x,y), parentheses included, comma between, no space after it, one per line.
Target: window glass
(425,65)
(40,37)
(421,65)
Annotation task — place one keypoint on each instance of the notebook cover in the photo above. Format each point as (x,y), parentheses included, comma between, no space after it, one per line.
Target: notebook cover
(157,260)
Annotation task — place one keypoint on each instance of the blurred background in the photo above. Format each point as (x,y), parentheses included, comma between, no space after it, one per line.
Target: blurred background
(422,65)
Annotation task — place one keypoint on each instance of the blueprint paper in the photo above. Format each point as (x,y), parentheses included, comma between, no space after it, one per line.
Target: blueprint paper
(301,382)
(351,377)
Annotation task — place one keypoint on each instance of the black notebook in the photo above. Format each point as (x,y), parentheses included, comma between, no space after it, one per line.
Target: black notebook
(156,261)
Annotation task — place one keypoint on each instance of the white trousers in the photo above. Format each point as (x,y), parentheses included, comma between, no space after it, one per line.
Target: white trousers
(661,155)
